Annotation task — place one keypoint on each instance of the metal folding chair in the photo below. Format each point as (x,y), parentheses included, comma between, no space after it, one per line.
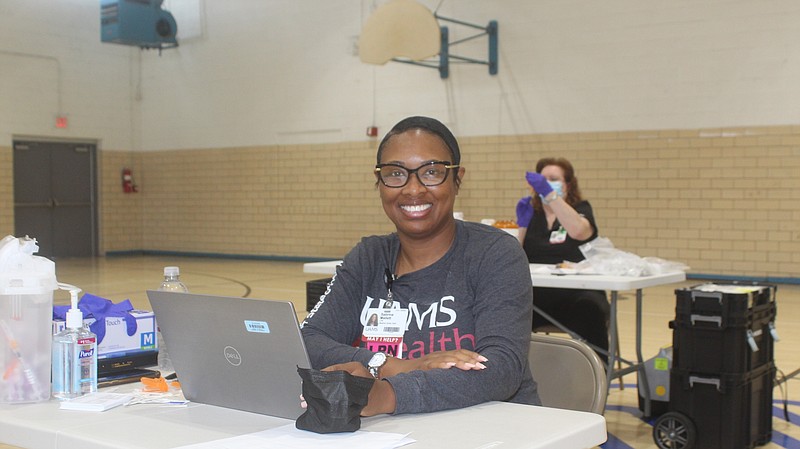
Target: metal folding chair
(568,372)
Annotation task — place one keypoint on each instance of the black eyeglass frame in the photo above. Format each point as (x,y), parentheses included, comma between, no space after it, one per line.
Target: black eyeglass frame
(447,166)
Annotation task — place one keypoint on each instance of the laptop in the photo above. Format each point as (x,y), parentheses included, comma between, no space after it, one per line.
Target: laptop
(240,353)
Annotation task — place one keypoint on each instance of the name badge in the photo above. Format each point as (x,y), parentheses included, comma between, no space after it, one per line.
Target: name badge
(559,236)
(384,329)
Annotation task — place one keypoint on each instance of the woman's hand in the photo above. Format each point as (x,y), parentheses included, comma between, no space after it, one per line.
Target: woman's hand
(382,398)
(524,212)
(539,183)
(354,368)
(459,358)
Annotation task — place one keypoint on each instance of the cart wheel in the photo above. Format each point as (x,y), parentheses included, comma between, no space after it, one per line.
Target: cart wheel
(674,431)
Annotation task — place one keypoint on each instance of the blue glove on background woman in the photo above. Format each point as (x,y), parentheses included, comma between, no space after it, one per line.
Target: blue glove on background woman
(539,183)
(524,212)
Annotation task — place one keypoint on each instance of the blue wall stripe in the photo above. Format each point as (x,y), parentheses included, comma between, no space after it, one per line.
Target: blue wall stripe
(148,252)
(720,277)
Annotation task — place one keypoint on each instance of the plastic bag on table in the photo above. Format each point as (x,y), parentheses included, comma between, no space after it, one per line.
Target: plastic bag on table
(657,265)
(605,259)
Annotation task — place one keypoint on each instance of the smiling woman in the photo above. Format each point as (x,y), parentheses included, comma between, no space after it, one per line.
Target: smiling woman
(420,206)
(453,297)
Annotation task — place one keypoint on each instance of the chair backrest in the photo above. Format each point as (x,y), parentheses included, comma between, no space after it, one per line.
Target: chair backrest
(569,373)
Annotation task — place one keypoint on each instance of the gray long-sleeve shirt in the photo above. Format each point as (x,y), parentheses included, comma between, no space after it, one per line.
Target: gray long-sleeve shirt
(476,297)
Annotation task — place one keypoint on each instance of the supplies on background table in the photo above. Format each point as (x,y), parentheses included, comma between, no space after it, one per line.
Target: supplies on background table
(509,226)
(27,283)
(505,224)
(603,258)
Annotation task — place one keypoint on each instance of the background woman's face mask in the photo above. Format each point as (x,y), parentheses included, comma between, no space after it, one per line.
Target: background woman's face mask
(558,186)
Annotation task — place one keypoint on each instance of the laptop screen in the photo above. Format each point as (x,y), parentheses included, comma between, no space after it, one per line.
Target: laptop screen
(239,353)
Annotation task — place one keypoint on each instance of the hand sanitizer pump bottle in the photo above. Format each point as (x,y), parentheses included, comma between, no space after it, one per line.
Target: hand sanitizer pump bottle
(74,356)
(172,283)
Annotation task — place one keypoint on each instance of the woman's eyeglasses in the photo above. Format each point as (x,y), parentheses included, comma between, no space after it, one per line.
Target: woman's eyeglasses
(429,174)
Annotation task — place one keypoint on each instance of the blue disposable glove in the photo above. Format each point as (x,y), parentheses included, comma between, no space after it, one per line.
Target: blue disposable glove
(539,183)
(524,212)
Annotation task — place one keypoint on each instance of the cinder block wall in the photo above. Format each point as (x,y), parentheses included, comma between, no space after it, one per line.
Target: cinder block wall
(121,222)
(723,201)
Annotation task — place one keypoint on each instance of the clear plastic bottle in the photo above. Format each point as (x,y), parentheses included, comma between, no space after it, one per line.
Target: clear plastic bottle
(74,356)
(172,283)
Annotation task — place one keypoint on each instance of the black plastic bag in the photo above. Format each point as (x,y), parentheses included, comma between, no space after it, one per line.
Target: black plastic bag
(335,400)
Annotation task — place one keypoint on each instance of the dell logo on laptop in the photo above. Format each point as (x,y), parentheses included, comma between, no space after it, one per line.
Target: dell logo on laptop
(232,356)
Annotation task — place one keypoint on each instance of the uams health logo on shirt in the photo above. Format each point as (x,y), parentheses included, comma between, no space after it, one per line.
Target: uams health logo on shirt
(437,315)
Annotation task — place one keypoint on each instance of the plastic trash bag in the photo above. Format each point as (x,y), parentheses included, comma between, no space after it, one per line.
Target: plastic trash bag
(603,258)
(335,400)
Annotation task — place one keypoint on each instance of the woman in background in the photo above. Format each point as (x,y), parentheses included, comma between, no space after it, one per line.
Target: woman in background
(553,223)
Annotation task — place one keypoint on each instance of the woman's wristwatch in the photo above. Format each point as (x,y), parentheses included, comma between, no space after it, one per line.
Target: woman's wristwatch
(376,363)
(550,197)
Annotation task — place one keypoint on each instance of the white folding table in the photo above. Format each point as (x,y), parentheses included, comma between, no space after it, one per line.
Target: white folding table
(541,276)
(327,267)
(512,426)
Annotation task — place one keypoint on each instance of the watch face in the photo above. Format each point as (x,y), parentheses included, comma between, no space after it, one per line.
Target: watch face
(378,359)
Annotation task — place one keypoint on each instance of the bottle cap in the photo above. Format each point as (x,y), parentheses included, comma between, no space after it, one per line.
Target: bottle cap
(172,271)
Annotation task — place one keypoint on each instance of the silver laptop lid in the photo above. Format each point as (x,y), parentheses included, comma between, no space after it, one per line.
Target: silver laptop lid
(239,353)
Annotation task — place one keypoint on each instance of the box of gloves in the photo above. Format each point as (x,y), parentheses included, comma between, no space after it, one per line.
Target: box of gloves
(122,331)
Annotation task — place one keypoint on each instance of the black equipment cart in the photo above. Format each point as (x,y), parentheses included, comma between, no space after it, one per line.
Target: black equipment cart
(723,369)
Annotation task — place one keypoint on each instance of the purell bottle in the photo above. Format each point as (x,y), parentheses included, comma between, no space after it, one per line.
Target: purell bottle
(74,356)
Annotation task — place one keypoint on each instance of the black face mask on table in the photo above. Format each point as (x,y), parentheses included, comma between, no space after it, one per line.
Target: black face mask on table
(335,400)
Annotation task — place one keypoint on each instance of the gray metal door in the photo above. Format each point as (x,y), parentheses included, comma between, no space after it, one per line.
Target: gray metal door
(54,197)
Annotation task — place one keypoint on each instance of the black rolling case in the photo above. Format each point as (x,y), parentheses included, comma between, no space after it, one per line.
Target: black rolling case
(729,411)
(723,371)
(723,331)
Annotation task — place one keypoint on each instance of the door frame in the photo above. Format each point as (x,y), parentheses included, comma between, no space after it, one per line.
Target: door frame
(93,181)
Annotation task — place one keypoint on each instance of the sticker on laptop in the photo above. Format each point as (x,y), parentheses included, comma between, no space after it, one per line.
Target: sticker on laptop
(260,327)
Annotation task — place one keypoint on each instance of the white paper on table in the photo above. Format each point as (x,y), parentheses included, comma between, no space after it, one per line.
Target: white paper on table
(542,268)
(96,402)
(289,437)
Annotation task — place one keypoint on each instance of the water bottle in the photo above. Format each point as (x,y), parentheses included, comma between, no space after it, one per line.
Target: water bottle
(172,283)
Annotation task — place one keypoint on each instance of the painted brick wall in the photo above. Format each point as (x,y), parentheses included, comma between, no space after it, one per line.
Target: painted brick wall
(723,201)
(120,213)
